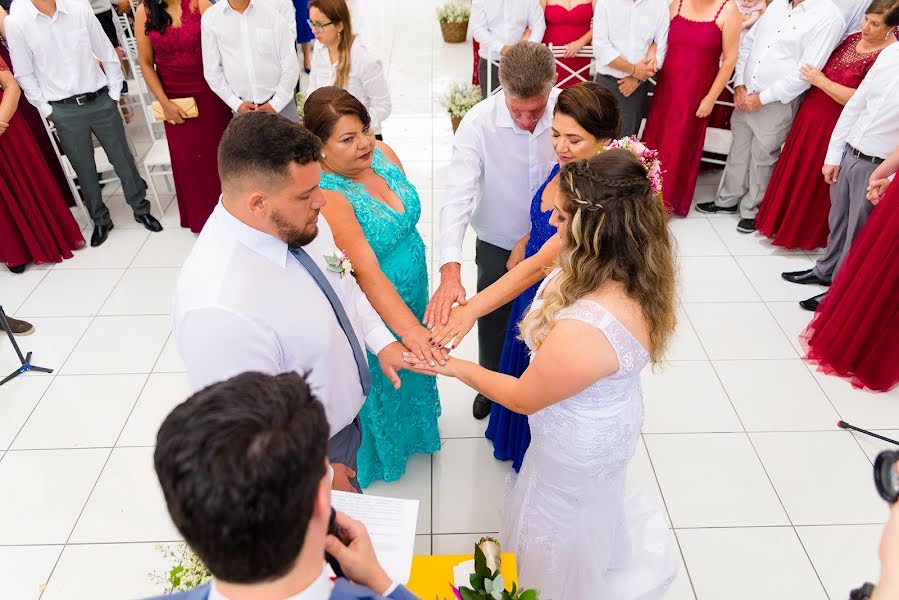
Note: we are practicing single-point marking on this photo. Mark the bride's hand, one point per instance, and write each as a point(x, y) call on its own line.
point(418, 340)
point(460, 322)
point(424, 367)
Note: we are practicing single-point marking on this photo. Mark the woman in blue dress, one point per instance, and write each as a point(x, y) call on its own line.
point(585, 119)
point(373, 211)
point(304, 32)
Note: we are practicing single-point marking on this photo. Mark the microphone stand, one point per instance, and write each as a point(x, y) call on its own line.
point(25, 360)
point(845, 425)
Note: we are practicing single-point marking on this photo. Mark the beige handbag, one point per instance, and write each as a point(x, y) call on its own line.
point(188, 105)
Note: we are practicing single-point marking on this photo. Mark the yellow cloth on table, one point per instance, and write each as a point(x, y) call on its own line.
point(432, 575)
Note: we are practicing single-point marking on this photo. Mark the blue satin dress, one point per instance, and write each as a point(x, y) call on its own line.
point(508, 430)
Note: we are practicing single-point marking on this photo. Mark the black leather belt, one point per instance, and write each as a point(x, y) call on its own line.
point(82, 99)
point(861, 155)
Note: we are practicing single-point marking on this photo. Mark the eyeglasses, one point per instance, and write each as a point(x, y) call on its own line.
point(318, 27)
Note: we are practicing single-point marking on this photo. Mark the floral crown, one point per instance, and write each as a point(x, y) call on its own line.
point(647, 156)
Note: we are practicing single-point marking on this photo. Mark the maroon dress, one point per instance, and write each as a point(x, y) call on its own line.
point(564, 26)
point(855, 332)
point(796, 204)
point(672, 128)
point(475, 46)
point(36, 123)
point(193, 145)
point(35, 222)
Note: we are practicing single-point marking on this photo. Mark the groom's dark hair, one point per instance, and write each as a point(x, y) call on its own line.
point(240, 463)
point(264, 145)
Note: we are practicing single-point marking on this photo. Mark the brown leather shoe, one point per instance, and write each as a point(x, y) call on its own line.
point(18, 327)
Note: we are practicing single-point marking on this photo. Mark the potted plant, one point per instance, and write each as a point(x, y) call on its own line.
point(453, 17)
point(459, 99)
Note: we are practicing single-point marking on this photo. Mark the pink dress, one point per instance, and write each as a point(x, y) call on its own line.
point(193, 145)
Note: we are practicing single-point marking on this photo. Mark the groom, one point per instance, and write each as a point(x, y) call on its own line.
point(257, 294)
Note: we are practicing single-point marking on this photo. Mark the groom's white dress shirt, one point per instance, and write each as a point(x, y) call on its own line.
point(495, 170)
point(244, 303)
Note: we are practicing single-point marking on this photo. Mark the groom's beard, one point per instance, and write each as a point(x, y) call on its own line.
point(293, 235)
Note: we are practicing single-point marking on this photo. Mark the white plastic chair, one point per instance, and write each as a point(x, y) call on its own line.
point(157, 161)
point(585, 73)
point(103, 166)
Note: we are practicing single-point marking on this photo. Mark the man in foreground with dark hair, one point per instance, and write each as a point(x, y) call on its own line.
point(266, 289)
point(243, 469)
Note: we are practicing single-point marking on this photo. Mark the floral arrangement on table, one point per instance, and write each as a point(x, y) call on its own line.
point(487, 581)
point(453, 12)
point(647, 156)
point(187, 572)
point(459, 99)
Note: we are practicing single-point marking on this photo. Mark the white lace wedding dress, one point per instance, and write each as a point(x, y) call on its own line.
point(566, 517)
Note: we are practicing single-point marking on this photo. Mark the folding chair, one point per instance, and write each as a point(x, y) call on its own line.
point(157, 161)
point(568, 75)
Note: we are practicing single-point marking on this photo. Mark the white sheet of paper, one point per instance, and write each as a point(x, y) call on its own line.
point(462, 573)
point(391, 525)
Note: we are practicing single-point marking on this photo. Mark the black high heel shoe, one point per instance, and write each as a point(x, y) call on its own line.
point(16, 269)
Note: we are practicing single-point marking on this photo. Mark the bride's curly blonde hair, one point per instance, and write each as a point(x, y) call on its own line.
point(617, 231)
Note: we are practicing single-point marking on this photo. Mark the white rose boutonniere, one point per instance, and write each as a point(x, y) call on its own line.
point(339, 263)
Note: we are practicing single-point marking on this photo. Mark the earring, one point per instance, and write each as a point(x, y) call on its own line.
point(324, 156)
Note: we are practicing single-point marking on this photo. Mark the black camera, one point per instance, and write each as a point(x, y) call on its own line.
point(886, 479)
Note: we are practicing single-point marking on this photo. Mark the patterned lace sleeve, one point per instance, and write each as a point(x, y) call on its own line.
point(631, 355)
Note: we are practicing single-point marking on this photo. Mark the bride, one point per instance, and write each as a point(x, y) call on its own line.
point(597, 320)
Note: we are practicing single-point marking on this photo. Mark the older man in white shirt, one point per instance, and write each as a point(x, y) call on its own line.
point(257, 292)
point(502, 153)
point(249, 56)
point(769, 87)
point(496, 24)
point(866, 134)
point(57, 47)
point(630, 40)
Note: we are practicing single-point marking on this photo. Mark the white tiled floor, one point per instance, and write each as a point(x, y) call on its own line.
point(766, 497)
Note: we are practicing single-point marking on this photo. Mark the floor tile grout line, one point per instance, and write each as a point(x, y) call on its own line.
point(57, 370)
point(49, 577)
point(94, 487)
point(767, 308)
point(787, 513)
point(668, 513)
point(109, 453)
point(756, 452)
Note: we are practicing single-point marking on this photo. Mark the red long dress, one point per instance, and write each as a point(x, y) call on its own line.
point(672, 128)
point(36, 123)
point(563, 26)
point(475, 80)
point(796, 204)
point(35, 222)
point(193, 145)
point(855, 333)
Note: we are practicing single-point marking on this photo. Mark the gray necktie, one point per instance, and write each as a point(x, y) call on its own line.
point(361, 362)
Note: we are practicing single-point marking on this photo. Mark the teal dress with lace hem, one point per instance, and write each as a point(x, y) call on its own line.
point(395, 423)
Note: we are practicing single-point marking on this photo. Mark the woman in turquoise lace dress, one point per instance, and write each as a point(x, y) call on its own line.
point(373, 211)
